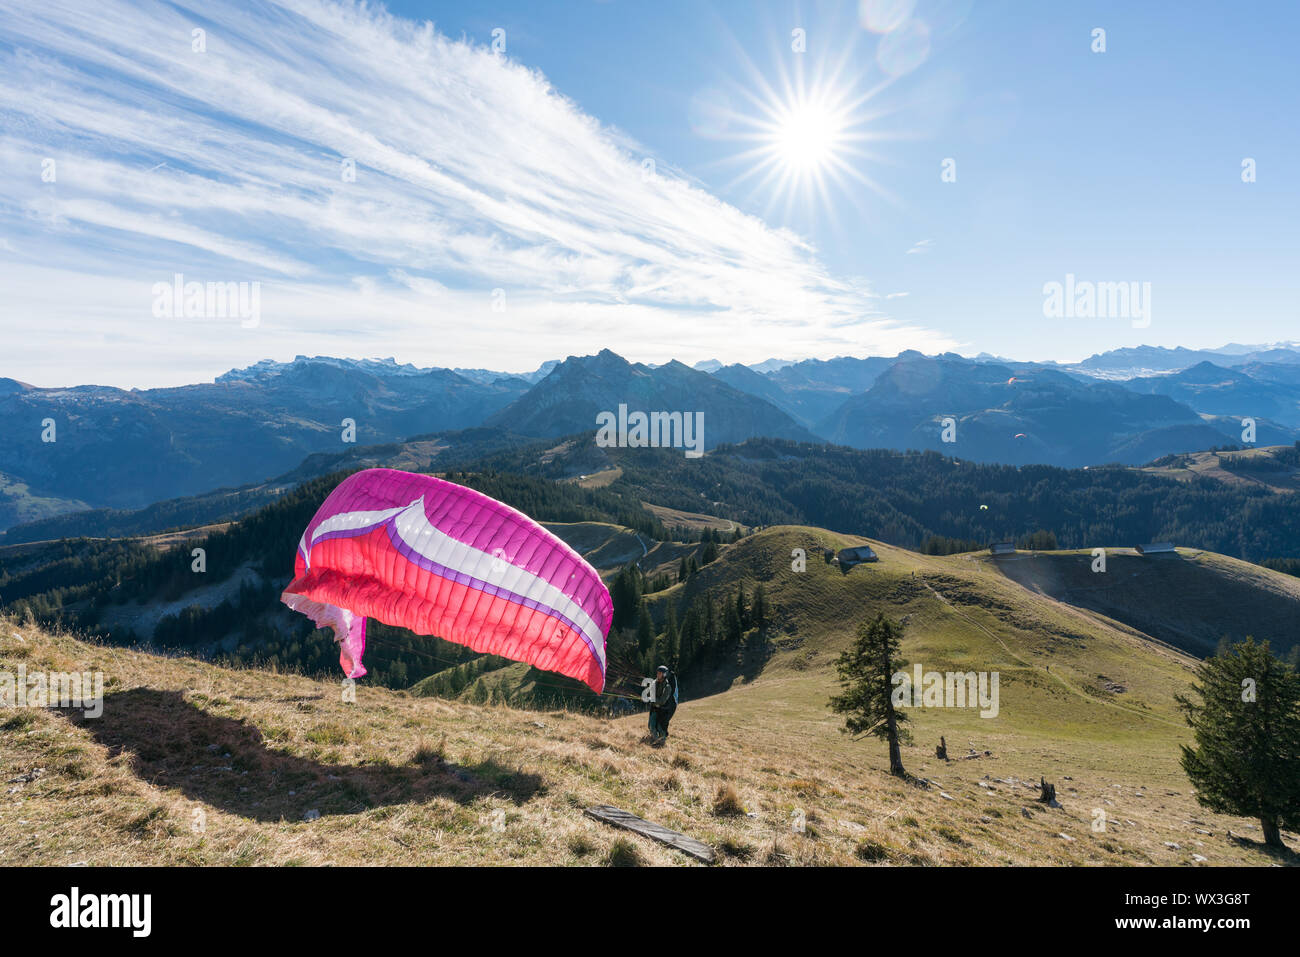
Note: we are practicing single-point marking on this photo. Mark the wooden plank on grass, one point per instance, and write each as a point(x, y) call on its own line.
point(656, 832)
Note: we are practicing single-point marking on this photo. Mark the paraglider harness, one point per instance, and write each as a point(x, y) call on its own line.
point(669, 706)
point(661, 714)
point(672, 677)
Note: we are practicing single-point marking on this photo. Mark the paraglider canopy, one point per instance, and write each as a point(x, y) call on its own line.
point(439, 559)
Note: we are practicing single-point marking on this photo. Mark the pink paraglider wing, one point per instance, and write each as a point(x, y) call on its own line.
point(440, 559)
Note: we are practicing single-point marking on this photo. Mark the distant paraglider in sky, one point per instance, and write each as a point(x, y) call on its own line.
point(436, 558)
point(1021, 435)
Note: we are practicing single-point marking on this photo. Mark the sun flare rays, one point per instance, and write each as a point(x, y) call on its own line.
point(807, 140)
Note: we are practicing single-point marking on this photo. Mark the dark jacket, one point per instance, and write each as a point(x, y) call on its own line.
point(664, 694)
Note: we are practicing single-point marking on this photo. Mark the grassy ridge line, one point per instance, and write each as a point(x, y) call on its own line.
point(1191, 599)
point(816, 611)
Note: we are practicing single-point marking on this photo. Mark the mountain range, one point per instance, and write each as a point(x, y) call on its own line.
point(94, 447)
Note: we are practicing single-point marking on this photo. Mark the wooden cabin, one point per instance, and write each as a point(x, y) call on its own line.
point(857, 555)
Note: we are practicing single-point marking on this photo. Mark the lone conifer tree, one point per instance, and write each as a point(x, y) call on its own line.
point(866, 671)
point(1247, 732)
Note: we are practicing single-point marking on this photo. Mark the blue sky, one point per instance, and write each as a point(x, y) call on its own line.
point(503, 213)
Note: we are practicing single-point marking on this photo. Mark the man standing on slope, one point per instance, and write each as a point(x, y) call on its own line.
point(663, 705)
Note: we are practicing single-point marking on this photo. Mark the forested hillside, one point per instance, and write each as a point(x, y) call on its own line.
point(230, 609)
point(914, 498)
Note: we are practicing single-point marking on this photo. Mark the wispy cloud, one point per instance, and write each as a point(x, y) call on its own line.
point(898, 295)
point(921, 247)
point(490, 222)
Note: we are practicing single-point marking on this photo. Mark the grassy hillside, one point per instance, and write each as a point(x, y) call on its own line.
point(18, 503)
point(1191, 599)
point(1084, 700)
point(959, 613)
point(1271, 467)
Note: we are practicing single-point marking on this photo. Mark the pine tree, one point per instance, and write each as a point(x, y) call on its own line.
point(627, 595)
point(645, 630)
point(1247, 733)
point(682, 570)
point(672, 639)
point(690, 642)
point(732, 628)
point(759, 610)
point(742, 607)
point(866, 671)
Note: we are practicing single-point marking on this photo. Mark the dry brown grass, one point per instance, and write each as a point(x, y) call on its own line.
point(195, 764)
point(727, 802)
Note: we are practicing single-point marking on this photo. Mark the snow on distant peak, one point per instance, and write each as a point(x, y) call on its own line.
point(268, 368)
point(771, 365)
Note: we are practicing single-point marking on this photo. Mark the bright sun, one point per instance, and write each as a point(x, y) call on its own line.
point(806, 143)
point(810, 133)
point(805, 137)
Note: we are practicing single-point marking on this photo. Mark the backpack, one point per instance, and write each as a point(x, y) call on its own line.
point(672, 676)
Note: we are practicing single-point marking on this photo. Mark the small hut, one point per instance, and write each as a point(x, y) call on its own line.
point(1157, 548)
point(848, 557)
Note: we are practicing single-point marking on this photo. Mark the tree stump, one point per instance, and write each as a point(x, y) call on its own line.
point(941, 751)
point(1049, 791)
